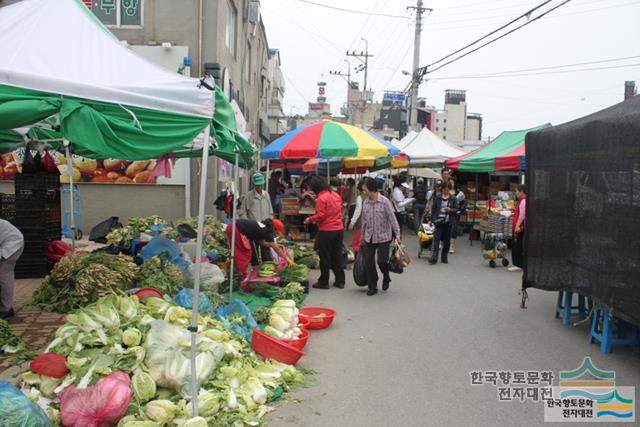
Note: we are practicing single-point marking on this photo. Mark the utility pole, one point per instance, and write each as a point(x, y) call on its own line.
point(347, 77)
point(416, 77)
point(363, 57)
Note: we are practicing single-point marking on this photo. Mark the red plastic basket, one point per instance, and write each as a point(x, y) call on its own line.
point(303, 322)
point(319, 317)
point(299, 342)
point(147, 292)
point(271, 348)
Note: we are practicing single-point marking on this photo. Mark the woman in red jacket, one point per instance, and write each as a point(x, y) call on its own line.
point(328, 217)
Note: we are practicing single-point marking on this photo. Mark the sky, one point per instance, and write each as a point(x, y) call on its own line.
point(313, 40)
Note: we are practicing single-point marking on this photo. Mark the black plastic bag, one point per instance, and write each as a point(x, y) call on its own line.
point(186, 231)
point(31, 164)
point(360, 270)
point(99, 232)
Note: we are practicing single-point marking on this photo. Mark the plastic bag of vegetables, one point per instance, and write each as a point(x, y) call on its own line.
point(103, 403)
point(16, 410)
point(168, 356)
point(237, 318)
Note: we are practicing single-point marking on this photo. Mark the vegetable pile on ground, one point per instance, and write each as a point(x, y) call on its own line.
point(293, 291)
point(79, 279)
point(295, 273)
point(9, 343)
point(311, 261)
point(215, 237)
point(119, 343)
point(124, 236)
point(268, 269)
point(299, 251)
point(283, 320)
point(160, 274)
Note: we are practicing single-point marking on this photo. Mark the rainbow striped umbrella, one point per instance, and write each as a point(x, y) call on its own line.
point(328, 139)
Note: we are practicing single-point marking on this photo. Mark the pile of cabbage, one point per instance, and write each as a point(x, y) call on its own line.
point(283, 320)
point(149, 341)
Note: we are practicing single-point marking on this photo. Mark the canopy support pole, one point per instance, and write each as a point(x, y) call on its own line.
point(196, 280)
point(234, 205)
point(266, 184)
point(72, 222)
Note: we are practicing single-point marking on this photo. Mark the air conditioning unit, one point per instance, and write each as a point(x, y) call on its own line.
point(254, 11)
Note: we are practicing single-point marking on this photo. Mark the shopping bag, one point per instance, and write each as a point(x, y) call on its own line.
point(360, 270)
point(399, 258)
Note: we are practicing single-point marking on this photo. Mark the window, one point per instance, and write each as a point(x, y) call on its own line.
point(445, 120)
point(437, 129)
point(444, 129)
point(437, 120)
point(230, 33)
point(444, 137)
point(118, 13)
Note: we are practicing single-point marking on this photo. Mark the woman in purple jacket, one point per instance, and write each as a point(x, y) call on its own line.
point(379, 228)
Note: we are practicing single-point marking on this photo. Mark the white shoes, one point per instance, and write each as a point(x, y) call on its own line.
point(514, 269)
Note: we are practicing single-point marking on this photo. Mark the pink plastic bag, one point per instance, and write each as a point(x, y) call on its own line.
point(99, 405)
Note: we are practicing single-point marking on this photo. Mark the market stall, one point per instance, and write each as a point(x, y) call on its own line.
point(583, 231)
point(332, 143)
point(110, 103)
point(502, 157)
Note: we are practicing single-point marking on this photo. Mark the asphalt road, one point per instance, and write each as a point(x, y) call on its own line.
point(404, 357)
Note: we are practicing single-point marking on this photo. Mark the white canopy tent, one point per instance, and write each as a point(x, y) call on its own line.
point(427, 148)
point(60, 47)
point(57, 59)
point(410, 136)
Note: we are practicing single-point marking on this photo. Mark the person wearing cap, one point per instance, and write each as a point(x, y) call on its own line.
point(257, 204)
point(399, 200)
point(252, 235)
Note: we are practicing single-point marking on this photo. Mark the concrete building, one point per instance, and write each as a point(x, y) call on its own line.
point(393, 115)
point(225, 38)
point(360, 110)
point(275, 107)
point(453, 123)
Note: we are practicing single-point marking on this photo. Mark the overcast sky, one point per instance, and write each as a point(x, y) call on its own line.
point(313, 40)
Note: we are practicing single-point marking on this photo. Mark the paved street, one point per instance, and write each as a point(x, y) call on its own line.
point(402, 358)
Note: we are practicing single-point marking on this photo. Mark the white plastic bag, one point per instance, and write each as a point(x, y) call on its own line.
point(210, 275)
point(168, 356)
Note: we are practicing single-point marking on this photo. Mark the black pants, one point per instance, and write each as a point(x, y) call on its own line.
point(370, 261)
point(330, 248)
point(442, 234)
point(517, 250)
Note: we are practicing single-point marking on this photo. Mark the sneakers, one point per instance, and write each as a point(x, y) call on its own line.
point(385, 284)
point(445, 261)
point(514, 269)
point(338, 285)
point(7, 314)
point(320, 286)
point(372, 292)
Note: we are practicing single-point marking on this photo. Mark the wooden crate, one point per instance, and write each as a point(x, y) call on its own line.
point(290, 207)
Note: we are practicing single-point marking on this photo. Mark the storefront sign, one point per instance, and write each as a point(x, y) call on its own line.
point(118, 13)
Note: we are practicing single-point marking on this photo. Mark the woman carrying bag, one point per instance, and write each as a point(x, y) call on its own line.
point(379, 228)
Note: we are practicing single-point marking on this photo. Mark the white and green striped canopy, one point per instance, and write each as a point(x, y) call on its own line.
point(56, 58)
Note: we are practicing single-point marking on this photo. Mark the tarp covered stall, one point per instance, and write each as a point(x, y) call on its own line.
point(583, 208)
point(505, 153)
point(427, 148)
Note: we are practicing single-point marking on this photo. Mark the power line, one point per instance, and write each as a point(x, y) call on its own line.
point(538, 74)
point(498, 73)
point(296, 88)
point(359, 12)
point(435, 26)
point(532, 20)
point(490, 34)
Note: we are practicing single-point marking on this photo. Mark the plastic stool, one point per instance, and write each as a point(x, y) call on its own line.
point(565, 307)
point(605, 325)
